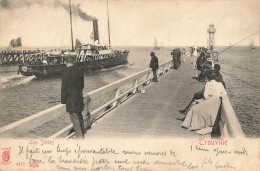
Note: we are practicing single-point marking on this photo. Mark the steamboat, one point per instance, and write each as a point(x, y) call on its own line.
point(88, 57)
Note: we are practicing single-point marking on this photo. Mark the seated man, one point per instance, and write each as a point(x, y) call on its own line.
point(200, 61)
point(206, 66)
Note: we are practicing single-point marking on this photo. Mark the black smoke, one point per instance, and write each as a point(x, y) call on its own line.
point(75, 8)
point(14, 4)
point(5, 4)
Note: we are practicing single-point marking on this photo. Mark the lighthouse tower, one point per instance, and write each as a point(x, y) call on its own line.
point(211, 40)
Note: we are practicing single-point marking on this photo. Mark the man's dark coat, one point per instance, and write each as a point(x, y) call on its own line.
point(154, 63)
point(71, 89)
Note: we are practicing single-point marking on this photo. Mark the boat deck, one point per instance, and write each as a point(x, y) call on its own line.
point(155, 113)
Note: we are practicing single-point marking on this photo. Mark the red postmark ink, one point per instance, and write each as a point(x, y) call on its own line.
point(6, 156)
point(34, 164)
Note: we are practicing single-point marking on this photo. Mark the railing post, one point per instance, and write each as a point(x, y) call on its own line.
point(148, 77)
point(117, 101)
point(163, 72)
point(87, 120)
point(135, 82)
point(169, 66)
point(158, 72)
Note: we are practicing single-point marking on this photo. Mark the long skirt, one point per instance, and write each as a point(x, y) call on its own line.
point(202, 115)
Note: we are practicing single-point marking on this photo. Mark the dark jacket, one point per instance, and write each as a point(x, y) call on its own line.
point(206, 66)
point(71, 89)
point(199, 62)
point(219, 78)
point(179, 54)
point(154, 63)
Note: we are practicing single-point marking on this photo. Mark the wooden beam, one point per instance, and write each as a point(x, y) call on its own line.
point(31, 122)
point(230, 120)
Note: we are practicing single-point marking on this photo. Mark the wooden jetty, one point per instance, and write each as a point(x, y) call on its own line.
point(129, 112)
point(154, 113)
point(20, 56)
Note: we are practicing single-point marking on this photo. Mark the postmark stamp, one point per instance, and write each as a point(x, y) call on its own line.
point(6, 156)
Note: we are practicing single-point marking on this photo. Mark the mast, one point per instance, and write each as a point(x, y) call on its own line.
point(72, 47)
point(155, 42)
point(108, 24)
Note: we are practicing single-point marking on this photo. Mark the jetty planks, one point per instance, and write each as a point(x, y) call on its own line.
point(154, 113)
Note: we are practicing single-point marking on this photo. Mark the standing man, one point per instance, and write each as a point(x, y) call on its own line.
point(191, 50)
point(154, 66)
point(199, 63)
point(175, 59)
point(71, 95)
point(179, 56)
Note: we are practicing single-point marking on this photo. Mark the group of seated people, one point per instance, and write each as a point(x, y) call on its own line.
point(202, 111)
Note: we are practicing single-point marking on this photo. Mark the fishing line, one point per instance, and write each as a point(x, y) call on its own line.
point(255, 86)
point(238, 67)
point(237, 43)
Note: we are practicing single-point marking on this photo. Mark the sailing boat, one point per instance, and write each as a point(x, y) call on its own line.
point(156, 47)
point(251, 44)
point(88, 57)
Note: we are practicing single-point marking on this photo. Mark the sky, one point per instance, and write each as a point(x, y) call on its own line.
point(42, 23)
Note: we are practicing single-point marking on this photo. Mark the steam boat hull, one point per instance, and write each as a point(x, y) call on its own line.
point(88, 66)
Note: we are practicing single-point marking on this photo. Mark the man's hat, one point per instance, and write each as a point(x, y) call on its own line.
point(202, 54)
point(217, 67)
point(152, 54)
point(69, 59)
point(211, 74)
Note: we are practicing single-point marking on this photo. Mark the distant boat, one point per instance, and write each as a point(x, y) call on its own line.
point(251, 44)
point(156, 47)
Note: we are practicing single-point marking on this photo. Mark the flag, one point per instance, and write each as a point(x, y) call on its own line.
point(11, 43)
point(78, 44)
point(16, 42)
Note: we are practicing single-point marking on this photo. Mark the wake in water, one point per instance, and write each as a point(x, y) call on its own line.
point(4, 79)
point(14, 80)
point(130, 63)
point(111, 68)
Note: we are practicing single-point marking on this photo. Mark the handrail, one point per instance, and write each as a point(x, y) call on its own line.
point(93, 95)
point(229, 125)
point(24, 125)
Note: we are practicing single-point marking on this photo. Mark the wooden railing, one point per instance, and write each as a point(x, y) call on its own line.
point(122, 90)
point(229, 125)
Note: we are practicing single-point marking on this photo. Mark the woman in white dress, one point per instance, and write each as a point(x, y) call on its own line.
point(204, 113)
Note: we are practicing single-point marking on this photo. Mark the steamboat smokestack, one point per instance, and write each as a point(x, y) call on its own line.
point(95, 29)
